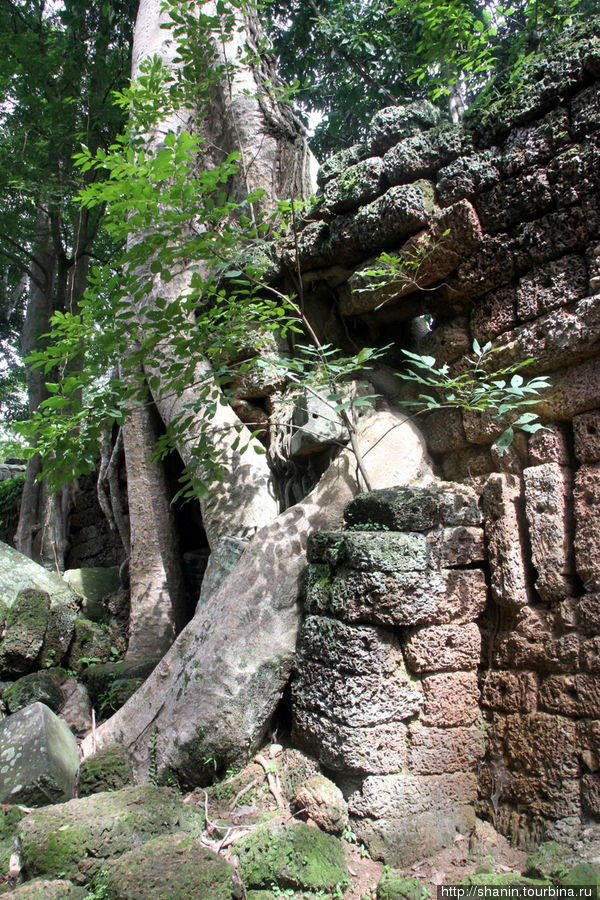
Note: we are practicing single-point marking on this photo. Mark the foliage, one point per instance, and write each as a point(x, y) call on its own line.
point(502, 393)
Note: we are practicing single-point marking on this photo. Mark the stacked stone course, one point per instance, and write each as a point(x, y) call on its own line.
point(503, 214)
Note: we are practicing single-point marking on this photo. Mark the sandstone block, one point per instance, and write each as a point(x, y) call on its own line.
point(542, 745)
point(19, 573)
point(510, 691)
point(415, 508)
point(402, 598)
point(548, 488)
point(459, 546)
point(450, 699)
point(502, 506)
point(38, 758)
point(316, 425)
point(354, 675)
point(404, 817)
point(571, 695)
point(549, 445)
point(37, 687)
point(439, 648)
point(587, 525)
point(586, 431)
point(376, 750)
point(433, 751)
point(588, 613)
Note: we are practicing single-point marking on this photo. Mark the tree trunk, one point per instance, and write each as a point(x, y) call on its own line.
point(209, 701)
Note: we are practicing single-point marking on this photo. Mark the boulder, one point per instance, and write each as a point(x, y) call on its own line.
point(36, 687)
point(75, 839)
point(76, 710)
point(19, 573)
point(324, 803)
point(92, 643)
point(170, 867)
point(38, 632)
point(39, 758)
point(109, 770)
point(42, 889)
point(93, 582)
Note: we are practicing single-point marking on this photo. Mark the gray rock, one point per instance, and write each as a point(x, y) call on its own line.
point(76, 710)
point(415, 508)
point(93, 582)
point(323, 801)
point(36, 687)
point(39, 758)
point(19, 573)
point(394, 123)
point(37, 632)
point(91, 643)
point(316, 426)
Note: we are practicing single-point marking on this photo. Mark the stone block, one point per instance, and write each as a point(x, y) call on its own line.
point(316, 426)
point(401, 818)
point(403, 598)
point(590, 654)
point(466, 177)
point(450, 699)
point(585, 113)
point(470, 464)
point(494, 314)
point(39, 758)
point(415, 508)
point(548, 489)
point(421, 154)
point(394, 123)
point(93, 582)
point(549, 445)
point(439, 648)
point(543, 799)
point(571, 695)
point(587, 525)
point(90, 642)
point(354, 675)
point(590, 794)
point(459, 546)
point(555, 234)
point(547, 287)
point(376, 750)
point(510, 691)
point(534, 144)
point(502, 504)
point(531, 643)
point(323, 801)
point(37, 687)
point(432, 751)
point(369, 551)
point(37, 631)
point(573, 390)
point(335, 164)
point(516, 200)
point(542, 745)
point(392, 218)
point(19, 573)
point(357, 184)
point(586, 432)
point(588, 614)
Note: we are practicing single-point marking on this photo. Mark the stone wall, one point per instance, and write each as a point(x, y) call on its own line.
point(502, 216)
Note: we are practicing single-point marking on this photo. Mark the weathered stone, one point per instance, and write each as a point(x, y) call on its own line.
point(586, 432)
point(549, 445)
point(588, 613)
point(394, 886)
point(531, 643)
point(553, 285)
point(354, 186)
point(60, 628)
point(433, 751)
point(587, 525)
point(439, 648)
point(444, 431)
point(76, 838)
point(109, 770)
point(502, 505)
point(585, 113)
point(493, 314)
point(173, 867)
point(548, 489)
point(295, 768)
point(91, 643)
point(542, 799)
point(76, 710)
point(554, 234)
point(402, 598)
point(334, 165)
point(354, 675)
point(39, 758)
point(459, 546)
point(57, 889)
point(590, 654)
point(421, 154)
point(374, 750)
point(514, 201)
point(323, 801)
point(292, 856)
point(394, 123)
point(542, 745)
point(396, 215)
point(571, 695)
point(401, 818)
point(447, 341)
point(33, 688)
point(510, 691)
point(316, 425)
point(590, 794)
point(415, 508)
point(367, 551)
point(19, 573)
point(24, 633)
point(93, 582)
point(531, 145)
point(466, 177)
point(450, 699)
point(572, 391)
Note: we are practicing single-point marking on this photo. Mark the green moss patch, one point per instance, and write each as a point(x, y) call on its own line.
point(109, 770)
point(394, 886)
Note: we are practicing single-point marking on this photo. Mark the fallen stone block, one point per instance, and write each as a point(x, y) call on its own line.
point(39, 758)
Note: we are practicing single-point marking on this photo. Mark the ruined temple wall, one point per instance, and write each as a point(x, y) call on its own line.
point(502, 216)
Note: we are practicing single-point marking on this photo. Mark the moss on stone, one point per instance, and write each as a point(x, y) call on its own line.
point(583, 873)
point(38, 686)
point(292, 856)
point(171, 867)
point(394, 886)
point(75, 838)
point(41, 889)
point(109, 770)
